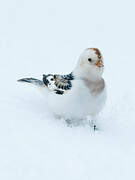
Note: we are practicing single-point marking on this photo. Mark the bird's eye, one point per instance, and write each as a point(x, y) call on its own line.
point(89, 59)
point(51, 79)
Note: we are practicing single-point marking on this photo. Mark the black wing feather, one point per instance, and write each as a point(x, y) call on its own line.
point(62, 82)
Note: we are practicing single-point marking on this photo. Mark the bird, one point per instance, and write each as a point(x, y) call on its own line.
point(79, 94)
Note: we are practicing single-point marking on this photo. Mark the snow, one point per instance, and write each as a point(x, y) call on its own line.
point(39, 37)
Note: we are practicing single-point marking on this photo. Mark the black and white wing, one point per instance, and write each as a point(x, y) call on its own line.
point(58, 83)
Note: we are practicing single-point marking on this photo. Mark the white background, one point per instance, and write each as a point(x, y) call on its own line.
point(47, 36)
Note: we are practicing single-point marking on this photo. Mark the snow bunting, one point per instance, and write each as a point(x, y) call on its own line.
point(79, 94)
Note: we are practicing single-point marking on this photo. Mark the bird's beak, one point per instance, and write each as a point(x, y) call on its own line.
point(99, 63)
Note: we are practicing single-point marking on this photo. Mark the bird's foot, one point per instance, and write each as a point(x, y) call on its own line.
point(95, 128)
point(92, 125)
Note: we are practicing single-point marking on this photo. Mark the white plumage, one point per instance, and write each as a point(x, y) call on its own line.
point(82, 95)
point(77, 103)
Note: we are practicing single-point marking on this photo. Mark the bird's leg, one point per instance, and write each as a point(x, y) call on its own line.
point(95, 127)
point(92, 123)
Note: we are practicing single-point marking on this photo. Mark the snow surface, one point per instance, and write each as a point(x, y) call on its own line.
point(39, 37)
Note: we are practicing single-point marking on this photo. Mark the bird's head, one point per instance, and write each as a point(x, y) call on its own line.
point(90, 64)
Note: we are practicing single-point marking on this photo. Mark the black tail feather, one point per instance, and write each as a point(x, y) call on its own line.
point(34, 81)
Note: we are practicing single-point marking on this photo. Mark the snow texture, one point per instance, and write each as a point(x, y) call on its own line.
point(39, 37)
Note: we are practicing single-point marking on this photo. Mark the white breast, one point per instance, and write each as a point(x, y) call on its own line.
point(77, 102)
